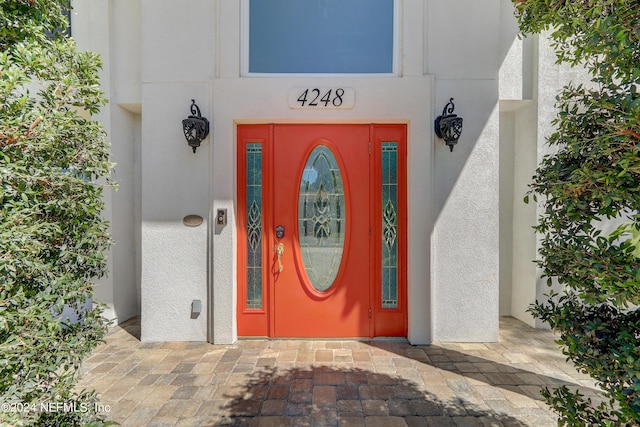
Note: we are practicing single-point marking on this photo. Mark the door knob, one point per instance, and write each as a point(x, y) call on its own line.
point(279, 252)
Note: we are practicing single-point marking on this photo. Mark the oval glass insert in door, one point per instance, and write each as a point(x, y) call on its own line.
point(321, 218)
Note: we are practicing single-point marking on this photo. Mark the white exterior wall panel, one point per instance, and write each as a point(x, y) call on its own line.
point(160, 54)
point(175, 183)
point(465, 244)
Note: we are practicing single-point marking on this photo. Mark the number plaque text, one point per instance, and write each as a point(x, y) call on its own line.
point(322, 98)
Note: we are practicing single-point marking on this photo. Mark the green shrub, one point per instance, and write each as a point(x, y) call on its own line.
point(593, 176)
point(53, 168)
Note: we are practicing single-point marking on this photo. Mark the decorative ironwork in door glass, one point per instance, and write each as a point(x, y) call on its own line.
point(254, 225)
point(389, 225)
point(321, 218)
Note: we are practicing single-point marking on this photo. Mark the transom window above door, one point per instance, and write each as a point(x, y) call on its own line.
point(319, 37)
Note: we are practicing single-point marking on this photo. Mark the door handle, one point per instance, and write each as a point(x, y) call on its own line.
point(279, 252)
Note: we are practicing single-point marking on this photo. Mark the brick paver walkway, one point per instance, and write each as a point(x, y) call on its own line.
point(330, 383)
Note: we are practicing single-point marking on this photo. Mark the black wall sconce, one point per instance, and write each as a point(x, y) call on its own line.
point(195, 127)
point(448, 125)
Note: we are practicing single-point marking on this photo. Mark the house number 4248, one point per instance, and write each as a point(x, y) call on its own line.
point(322, 98)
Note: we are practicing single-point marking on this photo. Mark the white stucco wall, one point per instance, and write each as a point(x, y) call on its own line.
point(160, 54)
point(465, 238)
point(126, 70)
point(125, 139)
point(525, 274)
point(518, 151)
point(506, 203)
point(528, 104)
point(173, 278)
point(465, 243)
point(175, 183)
point(109, 28)
point(176, 66)
point(550, 79)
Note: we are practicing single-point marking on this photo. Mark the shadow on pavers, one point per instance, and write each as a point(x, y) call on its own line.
point(492, 373)
point(350, 397)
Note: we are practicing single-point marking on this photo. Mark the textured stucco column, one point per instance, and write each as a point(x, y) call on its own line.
point(465, 237)
point(466, 230)
point(175, 183)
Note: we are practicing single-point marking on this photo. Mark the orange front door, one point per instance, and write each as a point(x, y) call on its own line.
point(321, 199)
point(312, 229)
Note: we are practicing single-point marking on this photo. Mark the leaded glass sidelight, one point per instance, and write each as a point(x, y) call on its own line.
point(254, 225)
point(389, 225)
point(321, 218)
